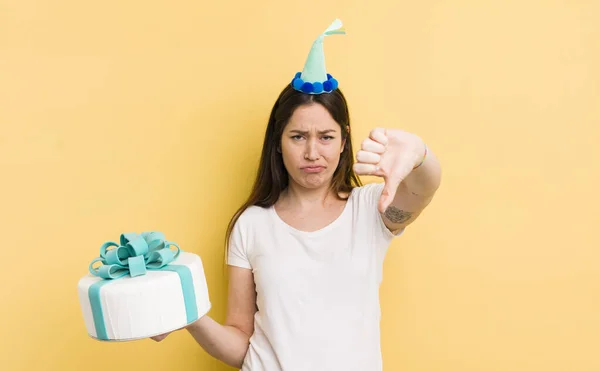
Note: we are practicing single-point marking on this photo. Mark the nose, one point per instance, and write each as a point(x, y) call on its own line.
point(312, 150)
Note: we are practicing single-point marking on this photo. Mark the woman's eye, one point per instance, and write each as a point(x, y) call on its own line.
point(297, 137)
point(328, 137)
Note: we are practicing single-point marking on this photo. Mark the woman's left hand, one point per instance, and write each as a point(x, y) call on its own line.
point(391, 154)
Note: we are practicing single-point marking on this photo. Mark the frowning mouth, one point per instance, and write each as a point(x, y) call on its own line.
point(313, 169)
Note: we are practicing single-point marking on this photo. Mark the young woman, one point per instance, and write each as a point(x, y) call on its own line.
point(306, 250)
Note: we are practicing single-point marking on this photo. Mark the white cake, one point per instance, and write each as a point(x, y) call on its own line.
point(130, 308)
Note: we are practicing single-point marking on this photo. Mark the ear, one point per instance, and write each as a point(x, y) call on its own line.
point(345, 139)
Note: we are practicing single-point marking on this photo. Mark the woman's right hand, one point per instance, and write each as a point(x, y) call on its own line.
point(158, 338)
point(161, 337)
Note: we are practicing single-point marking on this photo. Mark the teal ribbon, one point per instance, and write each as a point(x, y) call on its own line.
point(134, 256)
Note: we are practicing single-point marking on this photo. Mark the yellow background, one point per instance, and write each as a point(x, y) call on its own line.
point(136, 115)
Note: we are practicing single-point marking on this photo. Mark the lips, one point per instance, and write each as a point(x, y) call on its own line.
point(313, 169)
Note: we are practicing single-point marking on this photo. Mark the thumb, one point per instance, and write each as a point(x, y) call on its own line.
point(159, 338)
point(392, 182)
point(388, 194)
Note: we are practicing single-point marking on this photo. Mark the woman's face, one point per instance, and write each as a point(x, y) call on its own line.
point(311, 144)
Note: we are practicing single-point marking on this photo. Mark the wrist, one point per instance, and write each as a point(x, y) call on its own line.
point(196, 324)
point(423, 158)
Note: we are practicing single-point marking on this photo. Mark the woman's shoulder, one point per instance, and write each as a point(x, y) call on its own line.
point(253, 215)
point(367, 196)
point(369, 189)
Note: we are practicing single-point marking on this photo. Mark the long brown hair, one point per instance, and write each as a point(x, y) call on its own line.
point(272, 177)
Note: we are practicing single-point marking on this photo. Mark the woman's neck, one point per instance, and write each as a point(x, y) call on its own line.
point(304, 198)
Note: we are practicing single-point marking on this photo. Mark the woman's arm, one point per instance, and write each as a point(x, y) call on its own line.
point(229, 342)
point(414, 193)
point(411, 171)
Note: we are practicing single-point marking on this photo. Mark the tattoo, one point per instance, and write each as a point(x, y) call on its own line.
point(396, 215)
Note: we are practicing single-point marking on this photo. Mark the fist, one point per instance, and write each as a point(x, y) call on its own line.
point(391, 154)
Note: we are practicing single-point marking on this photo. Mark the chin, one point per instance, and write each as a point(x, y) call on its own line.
point(312, 181)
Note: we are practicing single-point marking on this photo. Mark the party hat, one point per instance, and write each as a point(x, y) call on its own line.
point(314, 78)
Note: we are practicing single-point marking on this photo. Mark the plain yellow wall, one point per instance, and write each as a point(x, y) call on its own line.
point(136, 115)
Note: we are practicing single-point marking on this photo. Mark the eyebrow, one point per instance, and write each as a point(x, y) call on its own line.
point(320, 132)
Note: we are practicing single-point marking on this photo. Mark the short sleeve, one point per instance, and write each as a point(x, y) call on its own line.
point(237, 254)
point(368, 196)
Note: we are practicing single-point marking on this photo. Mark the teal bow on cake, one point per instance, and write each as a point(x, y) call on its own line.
point(135, 254)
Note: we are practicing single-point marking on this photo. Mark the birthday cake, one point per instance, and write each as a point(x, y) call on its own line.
point(142, 287)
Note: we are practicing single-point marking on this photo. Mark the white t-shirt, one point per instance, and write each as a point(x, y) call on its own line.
point(317, 292)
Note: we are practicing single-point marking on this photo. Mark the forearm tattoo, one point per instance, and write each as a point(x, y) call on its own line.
point(396, 215)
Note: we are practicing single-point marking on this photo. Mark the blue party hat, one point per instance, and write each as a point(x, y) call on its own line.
point(314, 78)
